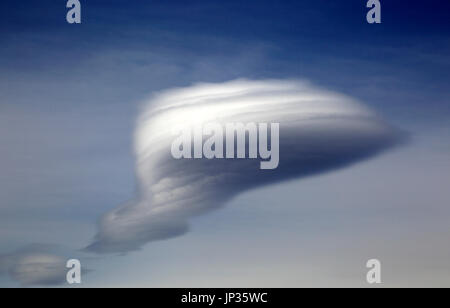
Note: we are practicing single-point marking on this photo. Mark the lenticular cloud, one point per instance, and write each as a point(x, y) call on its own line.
point(319, 131)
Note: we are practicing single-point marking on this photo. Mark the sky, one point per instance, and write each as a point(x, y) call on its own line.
point(71, 96)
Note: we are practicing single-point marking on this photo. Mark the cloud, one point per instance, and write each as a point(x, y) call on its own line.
point(34, 265)
point(319, 131)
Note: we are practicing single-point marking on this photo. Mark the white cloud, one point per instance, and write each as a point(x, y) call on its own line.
point(319, 131)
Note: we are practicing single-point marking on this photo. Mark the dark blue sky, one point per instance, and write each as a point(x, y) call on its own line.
point(328, 42)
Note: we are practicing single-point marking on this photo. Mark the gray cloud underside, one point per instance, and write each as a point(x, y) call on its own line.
point(319, 131)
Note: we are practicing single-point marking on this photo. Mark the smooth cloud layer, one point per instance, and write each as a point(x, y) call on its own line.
point(319, 131)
